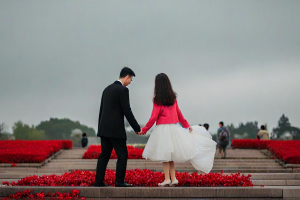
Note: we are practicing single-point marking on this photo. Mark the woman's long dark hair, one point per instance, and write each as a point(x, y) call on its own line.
point(163, 91)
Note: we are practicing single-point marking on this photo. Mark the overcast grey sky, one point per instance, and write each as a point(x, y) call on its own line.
point(234, 61)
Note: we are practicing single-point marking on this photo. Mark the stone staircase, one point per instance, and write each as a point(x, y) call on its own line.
point(279, 182)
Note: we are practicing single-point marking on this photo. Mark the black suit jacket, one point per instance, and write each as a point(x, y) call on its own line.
point(114, 106)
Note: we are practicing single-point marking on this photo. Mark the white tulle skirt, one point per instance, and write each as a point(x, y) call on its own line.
point(171, 142)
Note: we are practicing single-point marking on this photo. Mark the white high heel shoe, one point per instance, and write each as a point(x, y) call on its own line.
point(174, 183)
point(165, 183)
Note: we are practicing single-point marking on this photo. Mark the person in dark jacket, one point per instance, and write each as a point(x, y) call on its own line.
point(84, 140)
point(114, 106)
point(223, 137)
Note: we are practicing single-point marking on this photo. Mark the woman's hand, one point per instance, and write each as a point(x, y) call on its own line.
point(190, 129)
point(140, 133)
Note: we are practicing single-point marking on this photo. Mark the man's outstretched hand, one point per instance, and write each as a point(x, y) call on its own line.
point(140, 133)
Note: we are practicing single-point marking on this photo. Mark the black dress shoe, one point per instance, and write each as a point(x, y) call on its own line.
point(102, 185)
point(123, 185)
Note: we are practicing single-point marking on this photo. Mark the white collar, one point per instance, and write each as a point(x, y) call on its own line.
point(120, 82)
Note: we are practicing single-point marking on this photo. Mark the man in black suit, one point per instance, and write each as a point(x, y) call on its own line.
point(114, 106)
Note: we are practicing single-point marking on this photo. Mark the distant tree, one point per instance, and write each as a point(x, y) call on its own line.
point(62, 128)
point(3, 131)
point(25, 132)
point(232, 130)
point(132, 137)
point(284, 125)
point(247, 130)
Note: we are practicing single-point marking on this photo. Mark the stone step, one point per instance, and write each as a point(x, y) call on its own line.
point(143, 160)
point(168, 192)
point(155, 162)
point(8, 165)
point(293, 179)
point(213, 170)
point(276, 182)
point(274, 176)
point(158, 168)
point(160, 165)
point(255, 182)
point(9, 180)
point(217, 158)
point(145, 166)
point(177, 163)
point(149, 161)
point(64, 157)
point(23, 175)
point(191, 199)
point(33, 170)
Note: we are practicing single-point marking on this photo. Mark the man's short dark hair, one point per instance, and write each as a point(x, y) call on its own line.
point(126, 71)
point(262, 127)
point(221, 123)
point(206, 126)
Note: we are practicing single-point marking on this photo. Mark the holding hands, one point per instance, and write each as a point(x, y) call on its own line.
point(140, 133)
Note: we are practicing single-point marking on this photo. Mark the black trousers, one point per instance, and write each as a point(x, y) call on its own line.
point(107, 145)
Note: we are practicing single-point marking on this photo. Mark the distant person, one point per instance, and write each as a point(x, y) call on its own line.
point(84, 140)
point(263, 133)
point(223, 137)
point(206, 126)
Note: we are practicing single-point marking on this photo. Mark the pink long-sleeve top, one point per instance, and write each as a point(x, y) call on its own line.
point(165, 115)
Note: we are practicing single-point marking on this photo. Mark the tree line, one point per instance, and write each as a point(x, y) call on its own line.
point(55, 128)
point(62, 129)
point(250, 129)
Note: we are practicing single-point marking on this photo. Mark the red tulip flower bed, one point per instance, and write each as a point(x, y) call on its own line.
point(27, 151)
point(288, 151)
point(58, 195)
point(94, 151)
point(66, 144)
point(250, 144)
point(137, 177)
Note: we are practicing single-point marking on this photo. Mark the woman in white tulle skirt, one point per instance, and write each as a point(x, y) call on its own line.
point(169, 142)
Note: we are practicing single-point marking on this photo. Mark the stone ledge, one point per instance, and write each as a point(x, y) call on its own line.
point(291, 193)
point(269, 182)
point(168, 192)
point(22, 164)
point(19, 176)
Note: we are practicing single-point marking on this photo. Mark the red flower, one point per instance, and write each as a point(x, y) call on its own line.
point(94, 151)
point(5, 183)
point(287, 151)
point(137, 177)
point(23, 151)
point(27, 195)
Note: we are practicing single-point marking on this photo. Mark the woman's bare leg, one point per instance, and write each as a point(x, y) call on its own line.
point(172, 170)
point(166, 167)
